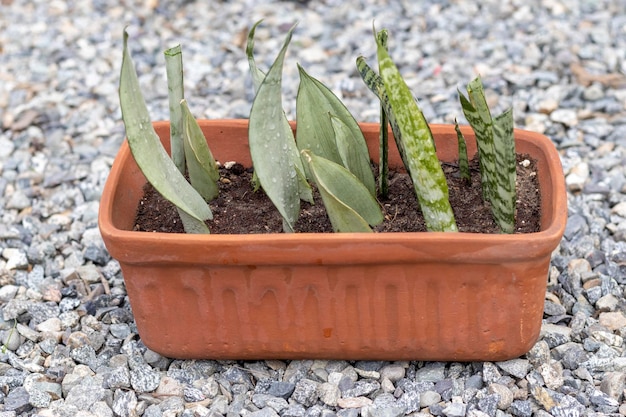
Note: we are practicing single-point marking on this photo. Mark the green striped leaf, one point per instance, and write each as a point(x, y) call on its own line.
point(424, 167)
point(477, 113)
point(375, 83)
point(270, 144)
point(463, 161)
point(350, 207)
point(203, 170)
point(506, 162)
point(147, 150)
point(175, 93)
point(496, 151)
point(383, 147)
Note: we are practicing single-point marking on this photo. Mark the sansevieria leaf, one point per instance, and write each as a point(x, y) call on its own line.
point(424, 167)
point(496, 151)
point(383, 142)
point(257, 74)
point(203, 170)
point(462, 146)
point(375, 83)
point(504, 146)
point(175, 93)
point(270, 144)
point(147, 150)
point(478, 115)
point(304, 189)
point(352, 156)
point(315, 131)
point(350, 207)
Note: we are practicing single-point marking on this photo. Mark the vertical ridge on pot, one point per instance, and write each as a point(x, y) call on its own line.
point(362, 312)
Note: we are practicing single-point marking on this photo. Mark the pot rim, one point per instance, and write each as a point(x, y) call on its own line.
point(527, 245)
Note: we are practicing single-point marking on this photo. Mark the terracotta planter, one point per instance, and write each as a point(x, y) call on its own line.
point(427, 296)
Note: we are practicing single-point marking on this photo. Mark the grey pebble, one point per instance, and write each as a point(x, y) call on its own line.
point(521, 408)
point(305, 392)
point(144, 379)
point(454, 410)
point(515, 367)
point(386, 412)
point(329, 393)
point(124, 403)
point(410, 401)
point(488, 404)
point(393, 372)
point(264, 412)
point(294, 410)
point(118, 377)
point(281, 389)
point(85, 392)
point(18, 401)
point(431, 372)
point(603, 403)
point(361, 388)
point(429, 398)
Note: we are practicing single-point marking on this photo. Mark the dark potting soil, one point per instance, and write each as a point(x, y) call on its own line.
point(241, 210)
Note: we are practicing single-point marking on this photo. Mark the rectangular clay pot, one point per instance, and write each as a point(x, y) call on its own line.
point(392, 296)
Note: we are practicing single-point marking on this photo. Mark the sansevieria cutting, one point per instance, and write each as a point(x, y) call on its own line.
point(415, 143)
point(327, 149)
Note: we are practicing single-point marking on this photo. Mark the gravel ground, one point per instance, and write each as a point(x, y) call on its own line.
point(70, 344)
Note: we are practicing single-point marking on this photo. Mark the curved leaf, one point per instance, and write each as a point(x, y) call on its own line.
point(350, 206)
point(304, 189)
point(147, 149)
point(257, 74)
point(356, 162)
point(314, 130)
point(203, 170)
point(270, 144)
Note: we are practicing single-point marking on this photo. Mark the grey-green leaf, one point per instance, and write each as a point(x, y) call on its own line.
point(203, 170)
point(270, 144)
point(257, 74)
point(314, 130)
point(304, 189)
point(424, 167)
point(191, 224)
point(147, 149)
point(175, 93)
point(350, 206)
point(353, 159)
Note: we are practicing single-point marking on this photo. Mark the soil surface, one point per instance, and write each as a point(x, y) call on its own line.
point(241, 210)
